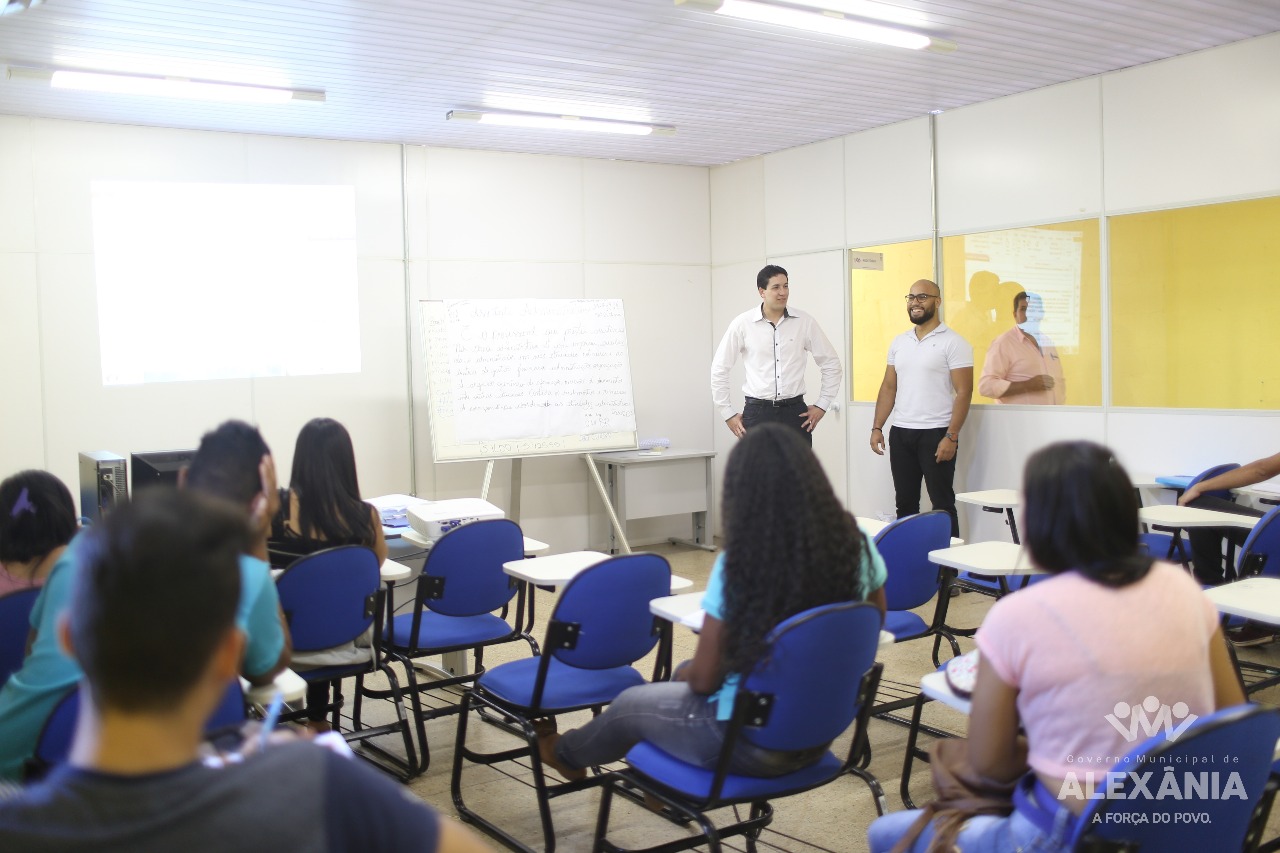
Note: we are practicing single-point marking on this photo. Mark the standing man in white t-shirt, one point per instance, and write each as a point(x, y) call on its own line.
point(928, 383)
point(772, 340)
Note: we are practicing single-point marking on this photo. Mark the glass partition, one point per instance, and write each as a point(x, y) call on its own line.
point(1029, 302)
point(879, 277)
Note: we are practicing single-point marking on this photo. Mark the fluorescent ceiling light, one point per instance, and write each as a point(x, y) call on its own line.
point(559, 122)
point(168, 87)
point(807, 15)
point(13, 7)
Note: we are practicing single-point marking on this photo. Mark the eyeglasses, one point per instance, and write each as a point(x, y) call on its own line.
point(919, 297)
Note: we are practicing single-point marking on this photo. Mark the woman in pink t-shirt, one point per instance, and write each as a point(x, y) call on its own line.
point(37, 520)
point(1078, 660)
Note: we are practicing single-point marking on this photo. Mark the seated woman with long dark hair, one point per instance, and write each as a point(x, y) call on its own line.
point(788, 546)
point(37, 520)
point(1112, 628)
point(322, 509)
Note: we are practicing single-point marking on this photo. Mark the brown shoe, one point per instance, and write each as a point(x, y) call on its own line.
point(547, 752)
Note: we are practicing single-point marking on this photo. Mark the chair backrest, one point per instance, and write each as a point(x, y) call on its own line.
point(905, 545)
point(804, 692)
point(1209, 473)
point(15, 625)
point(1199, 791)
point(330, 597)
point(54, 743)
point(463, 574)
point(230, 712)
point(53, 746)
point(1260, 553)
point(602, 619)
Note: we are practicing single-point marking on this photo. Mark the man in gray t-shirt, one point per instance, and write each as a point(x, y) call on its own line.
point(152, 623)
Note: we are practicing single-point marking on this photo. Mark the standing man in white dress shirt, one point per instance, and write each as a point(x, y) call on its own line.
point(927, 384)
point(772, 340)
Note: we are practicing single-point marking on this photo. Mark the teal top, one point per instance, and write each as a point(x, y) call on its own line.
point(47, 674)
point(713, 605)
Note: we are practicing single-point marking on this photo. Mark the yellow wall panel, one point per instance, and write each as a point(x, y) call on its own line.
point(1195, 293)
point(879, 313)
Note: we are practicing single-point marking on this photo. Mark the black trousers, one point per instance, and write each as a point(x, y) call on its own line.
point(1207, 543)
point(911, 457)
point(764, 412)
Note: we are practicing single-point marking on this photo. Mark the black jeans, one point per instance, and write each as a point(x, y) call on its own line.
point(764, 412)
point(1207, 542)
point(911, 457)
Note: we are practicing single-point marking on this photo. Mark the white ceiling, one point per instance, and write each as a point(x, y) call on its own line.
point(392, 68)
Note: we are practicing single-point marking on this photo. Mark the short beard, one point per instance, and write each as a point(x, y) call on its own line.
point(924, 318)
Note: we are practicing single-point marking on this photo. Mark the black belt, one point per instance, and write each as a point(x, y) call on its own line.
point(776, 403)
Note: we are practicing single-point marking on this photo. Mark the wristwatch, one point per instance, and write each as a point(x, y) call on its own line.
point(953, 437)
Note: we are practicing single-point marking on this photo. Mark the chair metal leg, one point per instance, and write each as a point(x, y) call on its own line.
point(913, 734)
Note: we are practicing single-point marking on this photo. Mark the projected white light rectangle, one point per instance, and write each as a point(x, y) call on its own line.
point(225, 281)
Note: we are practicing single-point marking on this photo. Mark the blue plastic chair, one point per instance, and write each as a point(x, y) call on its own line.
point(1260, 554)
point(913, 580)
point(15, 625)
point(331, 598)
point(1246, 734)
point(461, 586)
point(53, 745)
point(816, 680)
point(600, 627)
point(1167, 544)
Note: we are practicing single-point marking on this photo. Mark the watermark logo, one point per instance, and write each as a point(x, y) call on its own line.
point(1150, 717)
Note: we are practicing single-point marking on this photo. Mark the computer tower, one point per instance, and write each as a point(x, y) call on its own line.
point(103, 483)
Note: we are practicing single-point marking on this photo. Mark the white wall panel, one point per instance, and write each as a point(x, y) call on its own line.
point(503, 207)
point(17, 186)
point(81, 414)
point(70, 155)
point(374, 171)
point(732, 292)
point(804, 198)
point(643, 213)
point(737, 211)
point(1033, 157)
point(670, 355)
point(1157, 443)
point(1202, 126)
point(20, 364)
point(371, 404)
point(887, 195)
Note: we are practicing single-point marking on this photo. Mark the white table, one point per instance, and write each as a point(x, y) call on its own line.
point(558, 569)
point(1186, 517)
point(640, 484)
point(996, 500)
point(291, 686)
point(1000, 559)
point(686, 610)
point(1251, 598)
point(1263, 493)
point(390, 572)
point(873, 526)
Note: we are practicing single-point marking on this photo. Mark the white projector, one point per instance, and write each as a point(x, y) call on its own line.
point(433, 519)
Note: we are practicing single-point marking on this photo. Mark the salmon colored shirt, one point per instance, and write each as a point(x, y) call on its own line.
point(1015, 356)
point(1085, 658)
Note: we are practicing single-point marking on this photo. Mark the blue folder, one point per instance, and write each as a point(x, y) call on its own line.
point(1179, 481)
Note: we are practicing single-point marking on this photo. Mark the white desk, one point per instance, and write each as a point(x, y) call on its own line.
point(390, 572)
point(1186, 517)
point(996, 500)
point(291, 686)
point(644, 485)
point(1263, 493)
point(1000, 559)
point(935, 686)
point(686, 610)
point(1251, 598)
point(558, 569)
point(873, 526)
point(531, 545)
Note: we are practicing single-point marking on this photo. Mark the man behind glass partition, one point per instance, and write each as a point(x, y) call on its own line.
point(1022, 365)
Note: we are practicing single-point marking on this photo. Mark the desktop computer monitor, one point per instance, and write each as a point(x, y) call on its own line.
point(156, 467)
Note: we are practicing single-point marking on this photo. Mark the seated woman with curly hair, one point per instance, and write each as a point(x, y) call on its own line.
point(788, 546)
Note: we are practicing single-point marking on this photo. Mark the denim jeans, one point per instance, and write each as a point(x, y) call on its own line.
point(911, 457)
point(983, 834)
point(678, 721)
